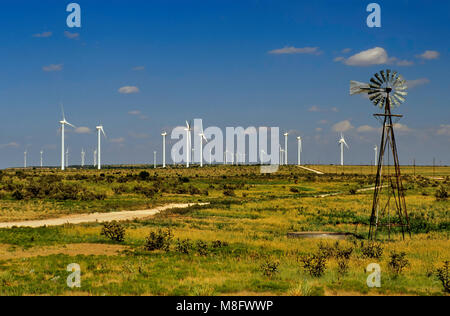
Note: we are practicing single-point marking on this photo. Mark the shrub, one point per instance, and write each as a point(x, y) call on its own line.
point(294, 190)
point(202, 248)
point(442, 274)
point(18, 195)
point(159, 240)
point(219, 244)
point(398, 262)
point(314, 264)
point(441, 194)
point(373, 250)
point(144, 176)
point(229, 192)
point(183, 246)
point(270, 268)
point(342, 266)
point(113, 231)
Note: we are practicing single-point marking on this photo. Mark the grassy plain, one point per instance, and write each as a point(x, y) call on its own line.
point(249, 213)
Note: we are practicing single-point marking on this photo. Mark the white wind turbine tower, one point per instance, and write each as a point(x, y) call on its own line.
point(63, 124)
point(342, 142)
point(376, 155)
point(25, 153)
point(286, 148)
point(42, 158)
point(188, 143)
point(99, 149)
point(202, 138)
point(164, 134)
point(83, 157)
point(300, 150)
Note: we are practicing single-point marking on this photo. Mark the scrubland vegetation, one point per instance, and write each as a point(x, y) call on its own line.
point(236, 245)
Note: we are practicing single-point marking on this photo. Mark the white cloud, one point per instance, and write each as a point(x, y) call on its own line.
point(71, 35)
point(346, 50)
point(135, 112)
point(367, 129)
point(83, 130)
point(43, 35)
point(418, 82)
point(119, 140)
point(373, 56)
point(9, 145)
point(129, 90)
point(139, 68)
point(53, 67)
point(294, 50)
point(402, 128)
point(444, 130)
point(138, 135)
point(314, 108)
point(404, 63)
point(323, 122)
point(342, 126)
point(429, 55)
point(334, 109)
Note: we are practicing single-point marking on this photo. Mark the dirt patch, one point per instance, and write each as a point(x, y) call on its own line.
point(8, 252)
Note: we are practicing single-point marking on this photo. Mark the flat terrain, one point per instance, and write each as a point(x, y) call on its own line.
point(235, 245)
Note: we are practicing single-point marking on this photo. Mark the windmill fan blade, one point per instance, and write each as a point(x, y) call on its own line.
point(379, 78)
point(401, 93)
point(375, 83)
point(393, 100)
point(383, 75)
point(401, 99)
point(388, 75)
point(382, 102)
point(394, 76)
point(375, 96)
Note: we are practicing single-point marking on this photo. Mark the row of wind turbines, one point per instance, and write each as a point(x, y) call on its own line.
point(283, 152)
point(65, 155)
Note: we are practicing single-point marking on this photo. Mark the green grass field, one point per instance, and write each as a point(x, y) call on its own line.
point(236, 245)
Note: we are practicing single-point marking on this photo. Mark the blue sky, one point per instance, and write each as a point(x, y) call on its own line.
point(231, 63)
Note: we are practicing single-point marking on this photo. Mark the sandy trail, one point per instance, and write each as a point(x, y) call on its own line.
point(97, 217)
point(342, 193)
point(312, 170)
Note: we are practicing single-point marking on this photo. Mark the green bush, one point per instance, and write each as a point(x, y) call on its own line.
point(398, 262)
point(442, 274)
point(159, 240)
point(314, 264)
point(113, 231)
point(269, 268)
point(202, 248)
point(441, 194)
point(373, 250)
point(229, 192)
point(183, 246)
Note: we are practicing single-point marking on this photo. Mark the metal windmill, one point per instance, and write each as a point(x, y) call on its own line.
point(387, 90)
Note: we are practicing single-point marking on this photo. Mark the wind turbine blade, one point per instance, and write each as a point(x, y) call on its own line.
point(70, 124)
point(103, 132)
point(62, 110)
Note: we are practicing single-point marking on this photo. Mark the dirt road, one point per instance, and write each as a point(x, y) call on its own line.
point(97, 217)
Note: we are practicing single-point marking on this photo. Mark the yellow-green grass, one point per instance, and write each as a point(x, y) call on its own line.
point(254, 221)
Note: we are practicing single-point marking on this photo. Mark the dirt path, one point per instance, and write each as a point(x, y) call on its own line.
point(97, 217)
point(341, 193)
point(312, 170)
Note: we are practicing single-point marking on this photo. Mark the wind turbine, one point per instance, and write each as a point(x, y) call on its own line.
point(25, 153)
point(164, 134)
point(83, 157)
point(188, 143)
point(202, 138)
point(63, 124)
point(376, 155)
point(300, 150)
point(42, 159)
point(342, 142)
point(286, 148)
point(95, 158)
point(99, 153)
